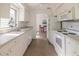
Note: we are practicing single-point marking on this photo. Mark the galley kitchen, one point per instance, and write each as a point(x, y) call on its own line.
point(39, 29)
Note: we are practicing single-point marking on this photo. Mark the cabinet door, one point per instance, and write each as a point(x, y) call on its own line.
point(6, 49)
point(68, 47)
point(76, 11)
point(64, 16)
point(72, 47)
point(71, 13)
point(21, 45)
point(66, 12)
point(17, 46)
point(12, 48)
point(75, 48)
point(52, 37)
point(68, 15)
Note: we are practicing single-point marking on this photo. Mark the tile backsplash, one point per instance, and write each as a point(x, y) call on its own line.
point(71, 25)
point(23, 24)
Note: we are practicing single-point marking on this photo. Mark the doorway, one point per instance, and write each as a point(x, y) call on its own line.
point(42, 26)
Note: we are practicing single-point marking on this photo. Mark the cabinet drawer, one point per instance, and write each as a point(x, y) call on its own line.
point(72, 47)
point(6, 50)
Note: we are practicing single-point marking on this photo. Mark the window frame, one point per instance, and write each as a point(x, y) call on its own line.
point(15, 16)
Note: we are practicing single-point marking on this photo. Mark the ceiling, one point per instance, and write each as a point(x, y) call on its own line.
point(43, 6)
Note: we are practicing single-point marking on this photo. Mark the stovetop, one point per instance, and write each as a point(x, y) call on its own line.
point(66, 32)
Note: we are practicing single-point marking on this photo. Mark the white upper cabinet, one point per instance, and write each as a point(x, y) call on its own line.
point(68, 11)
point(68, 14)
point(76, 5)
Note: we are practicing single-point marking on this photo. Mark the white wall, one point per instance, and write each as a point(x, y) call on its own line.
point(4, 10)
point(4, 15)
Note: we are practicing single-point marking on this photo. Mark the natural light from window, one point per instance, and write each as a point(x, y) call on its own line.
point(9, 22)
point(4, 22)
point(12, 22)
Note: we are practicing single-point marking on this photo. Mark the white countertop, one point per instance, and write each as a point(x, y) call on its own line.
point(74, 37)
point(6, 37)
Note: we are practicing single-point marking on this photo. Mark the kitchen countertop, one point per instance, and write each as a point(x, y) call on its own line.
point(74, 37)
point(7, 37)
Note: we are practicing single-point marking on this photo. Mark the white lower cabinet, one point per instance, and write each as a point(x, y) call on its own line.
point(17, 46)
point(72, 47)
point(52, 38)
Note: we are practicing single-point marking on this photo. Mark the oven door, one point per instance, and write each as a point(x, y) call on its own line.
point(60, 44)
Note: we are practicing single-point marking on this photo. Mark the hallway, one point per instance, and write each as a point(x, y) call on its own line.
point(40, 47)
